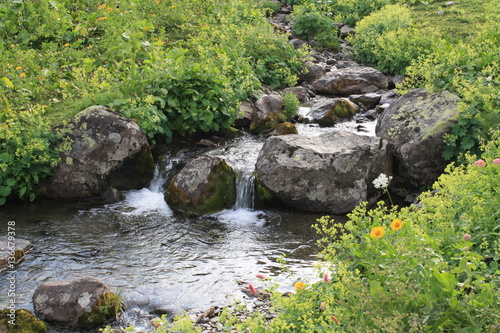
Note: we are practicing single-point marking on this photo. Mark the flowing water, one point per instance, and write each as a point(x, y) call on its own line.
point(159, 261)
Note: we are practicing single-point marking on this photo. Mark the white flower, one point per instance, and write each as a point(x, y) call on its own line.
point(382, 181)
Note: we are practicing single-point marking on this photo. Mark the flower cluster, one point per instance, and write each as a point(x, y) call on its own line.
point(379, 232)
point(482, 163)
point(382, 181)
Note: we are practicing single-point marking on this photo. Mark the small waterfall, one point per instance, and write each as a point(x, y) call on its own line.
point(158, 181)
point(244, 192)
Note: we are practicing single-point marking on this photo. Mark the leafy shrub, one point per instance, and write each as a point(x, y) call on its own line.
point(290, 105)
point(270, 8)
point(311, 23)
point(388, 39)
point(27, 152)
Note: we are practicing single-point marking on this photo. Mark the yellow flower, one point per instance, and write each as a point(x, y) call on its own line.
point(18, 67)
point(299, 285)
point(12, 45)
point(110, 9)
point(396, 224)
point(101, 6)
point(145, 28)
point(102, 18)
point(377, 232)
point(67, 44)
point(22, 75)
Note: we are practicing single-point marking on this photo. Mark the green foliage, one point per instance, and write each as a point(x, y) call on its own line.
point(388, 39)
point(27, 152)
point(290, 105)
point(270, 8)
point(311, 23)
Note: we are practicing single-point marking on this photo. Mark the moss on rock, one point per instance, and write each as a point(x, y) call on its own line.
point(107, 308)
point(21, 321)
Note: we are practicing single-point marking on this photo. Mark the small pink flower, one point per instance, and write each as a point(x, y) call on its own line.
point(261, 276)
point(252, 289)
point(467, 237)
point(326, 278)
point(480, 163)
point(322, 306)
point(496, 161)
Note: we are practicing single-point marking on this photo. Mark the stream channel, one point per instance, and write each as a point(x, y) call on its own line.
point(159, 261)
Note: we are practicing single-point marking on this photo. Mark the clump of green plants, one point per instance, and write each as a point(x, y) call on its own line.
point(270, 8)
point(290, 105)
point(388, 39)
point(311, 23)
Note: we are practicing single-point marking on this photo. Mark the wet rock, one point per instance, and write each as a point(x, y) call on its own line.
point(112, 195)
point(267, 113)
point(284, 129)
point(245, 115)
point(328, 112)
point(205, 185)
point(21, 321)
point(85, 303)
point(12, 252)
point(313, 72)
point(301, 92)
point(350, 80)
point(331, 173)
point(106, 150)
point(414, 126)
point(367, 101)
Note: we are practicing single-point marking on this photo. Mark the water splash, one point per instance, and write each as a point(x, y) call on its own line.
point(245, 185)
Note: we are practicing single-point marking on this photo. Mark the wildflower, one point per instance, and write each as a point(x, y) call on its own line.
point(382, 181)
point(377, 232)
point(145, 28)
point(396, 224)
point(335, 320)
point(44, 106)
point(12, 45)
point(467, 237)
point(22, 75)
point(67, 44)
point(18, 67)
point(496, 161)
point(110, 9)
point(261, 276)
point(326, 278)
point(322, 305)
point(41, 78)
point(101, 6)
point(367, 311)
point(299, 285)
point(252, 289)
point(102, 18)
point(480, 163)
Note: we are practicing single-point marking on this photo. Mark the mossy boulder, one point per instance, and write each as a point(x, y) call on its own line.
point(206, 184)
point(415, 126)
point(13, 252)
point(21, 321)
point(284, 129)
point(267, 113)
point(103, 149)
point(85, 303)
point(330, 111)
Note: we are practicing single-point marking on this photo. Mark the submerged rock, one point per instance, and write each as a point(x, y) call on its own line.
point(331, 173)
point(205, 185)
point(106, 150)
point(85, 303)
point(414, 125)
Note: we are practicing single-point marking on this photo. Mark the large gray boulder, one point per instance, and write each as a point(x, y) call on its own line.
point(206, 184)
point(331, 173)
point(350, 80)
point(13, 251)
point(414, 125)
point(267, 113)
point(84, 303)
point(106, 150)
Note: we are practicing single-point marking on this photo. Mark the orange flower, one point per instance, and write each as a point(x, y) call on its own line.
point(18, 67)
point(22, 75)
point(101, 6)
point(110, 9)
point(377, 232)
point(335, 320)
point(299, 285)
point(67, 44)
point(396, 224)
point(102, 18)
point(145, 28)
